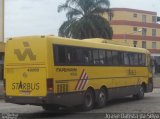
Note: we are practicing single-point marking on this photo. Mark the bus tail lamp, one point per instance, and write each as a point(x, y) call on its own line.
point(50, 85)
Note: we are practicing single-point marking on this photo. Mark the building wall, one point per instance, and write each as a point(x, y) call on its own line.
point(128, 14)
point(127, 26)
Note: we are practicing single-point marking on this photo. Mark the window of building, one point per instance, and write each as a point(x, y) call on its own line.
point(154, 45)
point(135, 29)
point(110, 16)
point(144, 18)
point(143, 44)
point(135, 15)
point(135, 43)
point(154, 33)
point(154, 19)
point(144, 31)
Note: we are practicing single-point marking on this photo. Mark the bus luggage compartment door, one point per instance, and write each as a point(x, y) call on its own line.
point(25, 81)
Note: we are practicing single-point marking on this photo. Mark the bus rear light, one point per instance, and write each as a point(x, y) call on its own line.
point(50, 85)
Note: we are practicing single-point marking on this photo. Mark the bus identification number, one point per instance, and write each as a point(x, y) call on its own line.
point(131, 72)
point(33, 69)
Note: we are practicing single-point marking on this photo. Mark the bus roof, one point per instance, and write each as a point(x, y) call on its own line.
point(96, 43)
point(91, 43)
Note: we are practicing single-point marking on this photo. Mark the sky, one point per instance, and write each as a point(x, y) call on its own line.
point(40, 17)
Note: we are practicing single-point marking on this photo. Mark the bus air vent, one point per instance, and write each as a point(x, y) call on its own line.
point(62, 87)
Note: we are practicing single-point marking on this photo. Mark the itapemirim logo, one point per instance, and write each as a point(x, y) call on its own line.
point(27, 52)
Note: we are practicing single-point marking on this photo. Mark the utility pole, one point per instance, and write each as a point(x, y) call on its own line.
point(1, 20)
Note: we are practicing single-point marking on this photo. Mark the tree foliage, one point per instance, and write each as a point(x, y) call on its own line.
point(84, 19)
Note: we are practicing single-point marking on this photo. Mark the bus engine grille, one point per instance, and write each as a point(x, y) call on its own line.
point(62, 88)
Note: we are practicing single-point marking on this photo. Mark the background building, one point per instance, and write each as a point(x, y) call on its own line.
point(1, 37)
point(137, 27)
point(1, 20)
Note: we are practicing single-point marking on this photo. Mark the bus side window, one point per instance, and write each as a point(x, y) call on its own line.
point(79, 54)
point(95, 57)
point(142, 59)
point(131, 58)
point(121, 58)
point(68, 55)
point(135, 61)
point(109, 57)
point(73, 55)
point(87, 56)
point(115, 57)
point(59, 55)
point(102, 56)
point(126, 58)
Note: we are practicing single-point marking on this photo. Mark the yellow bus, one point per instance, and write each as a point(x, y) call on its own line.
point(52, 71)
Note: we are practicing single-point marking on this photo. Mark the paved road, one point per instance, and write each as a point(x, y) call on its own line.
point(150, 104)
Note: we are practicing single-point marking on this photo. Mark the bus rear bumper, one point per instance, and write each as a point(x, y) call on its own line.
point(68, 99)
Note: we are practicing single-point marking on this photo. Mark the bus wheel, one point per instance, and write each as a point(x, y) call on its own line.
point(89, 100)
point(101, 98)
point(50, 107)
point(140, 94)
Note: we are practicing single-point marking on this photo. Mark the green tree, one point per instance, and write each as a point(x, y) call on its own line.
point(84, 19)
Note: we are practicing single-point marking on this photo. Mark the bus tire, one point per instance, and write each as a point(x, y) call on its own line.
point(140, 94)
point(101, 98)
point(89, 100)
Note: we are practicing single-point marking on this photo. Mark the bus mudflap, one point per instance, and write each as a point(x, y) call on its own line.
point(149, 87)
